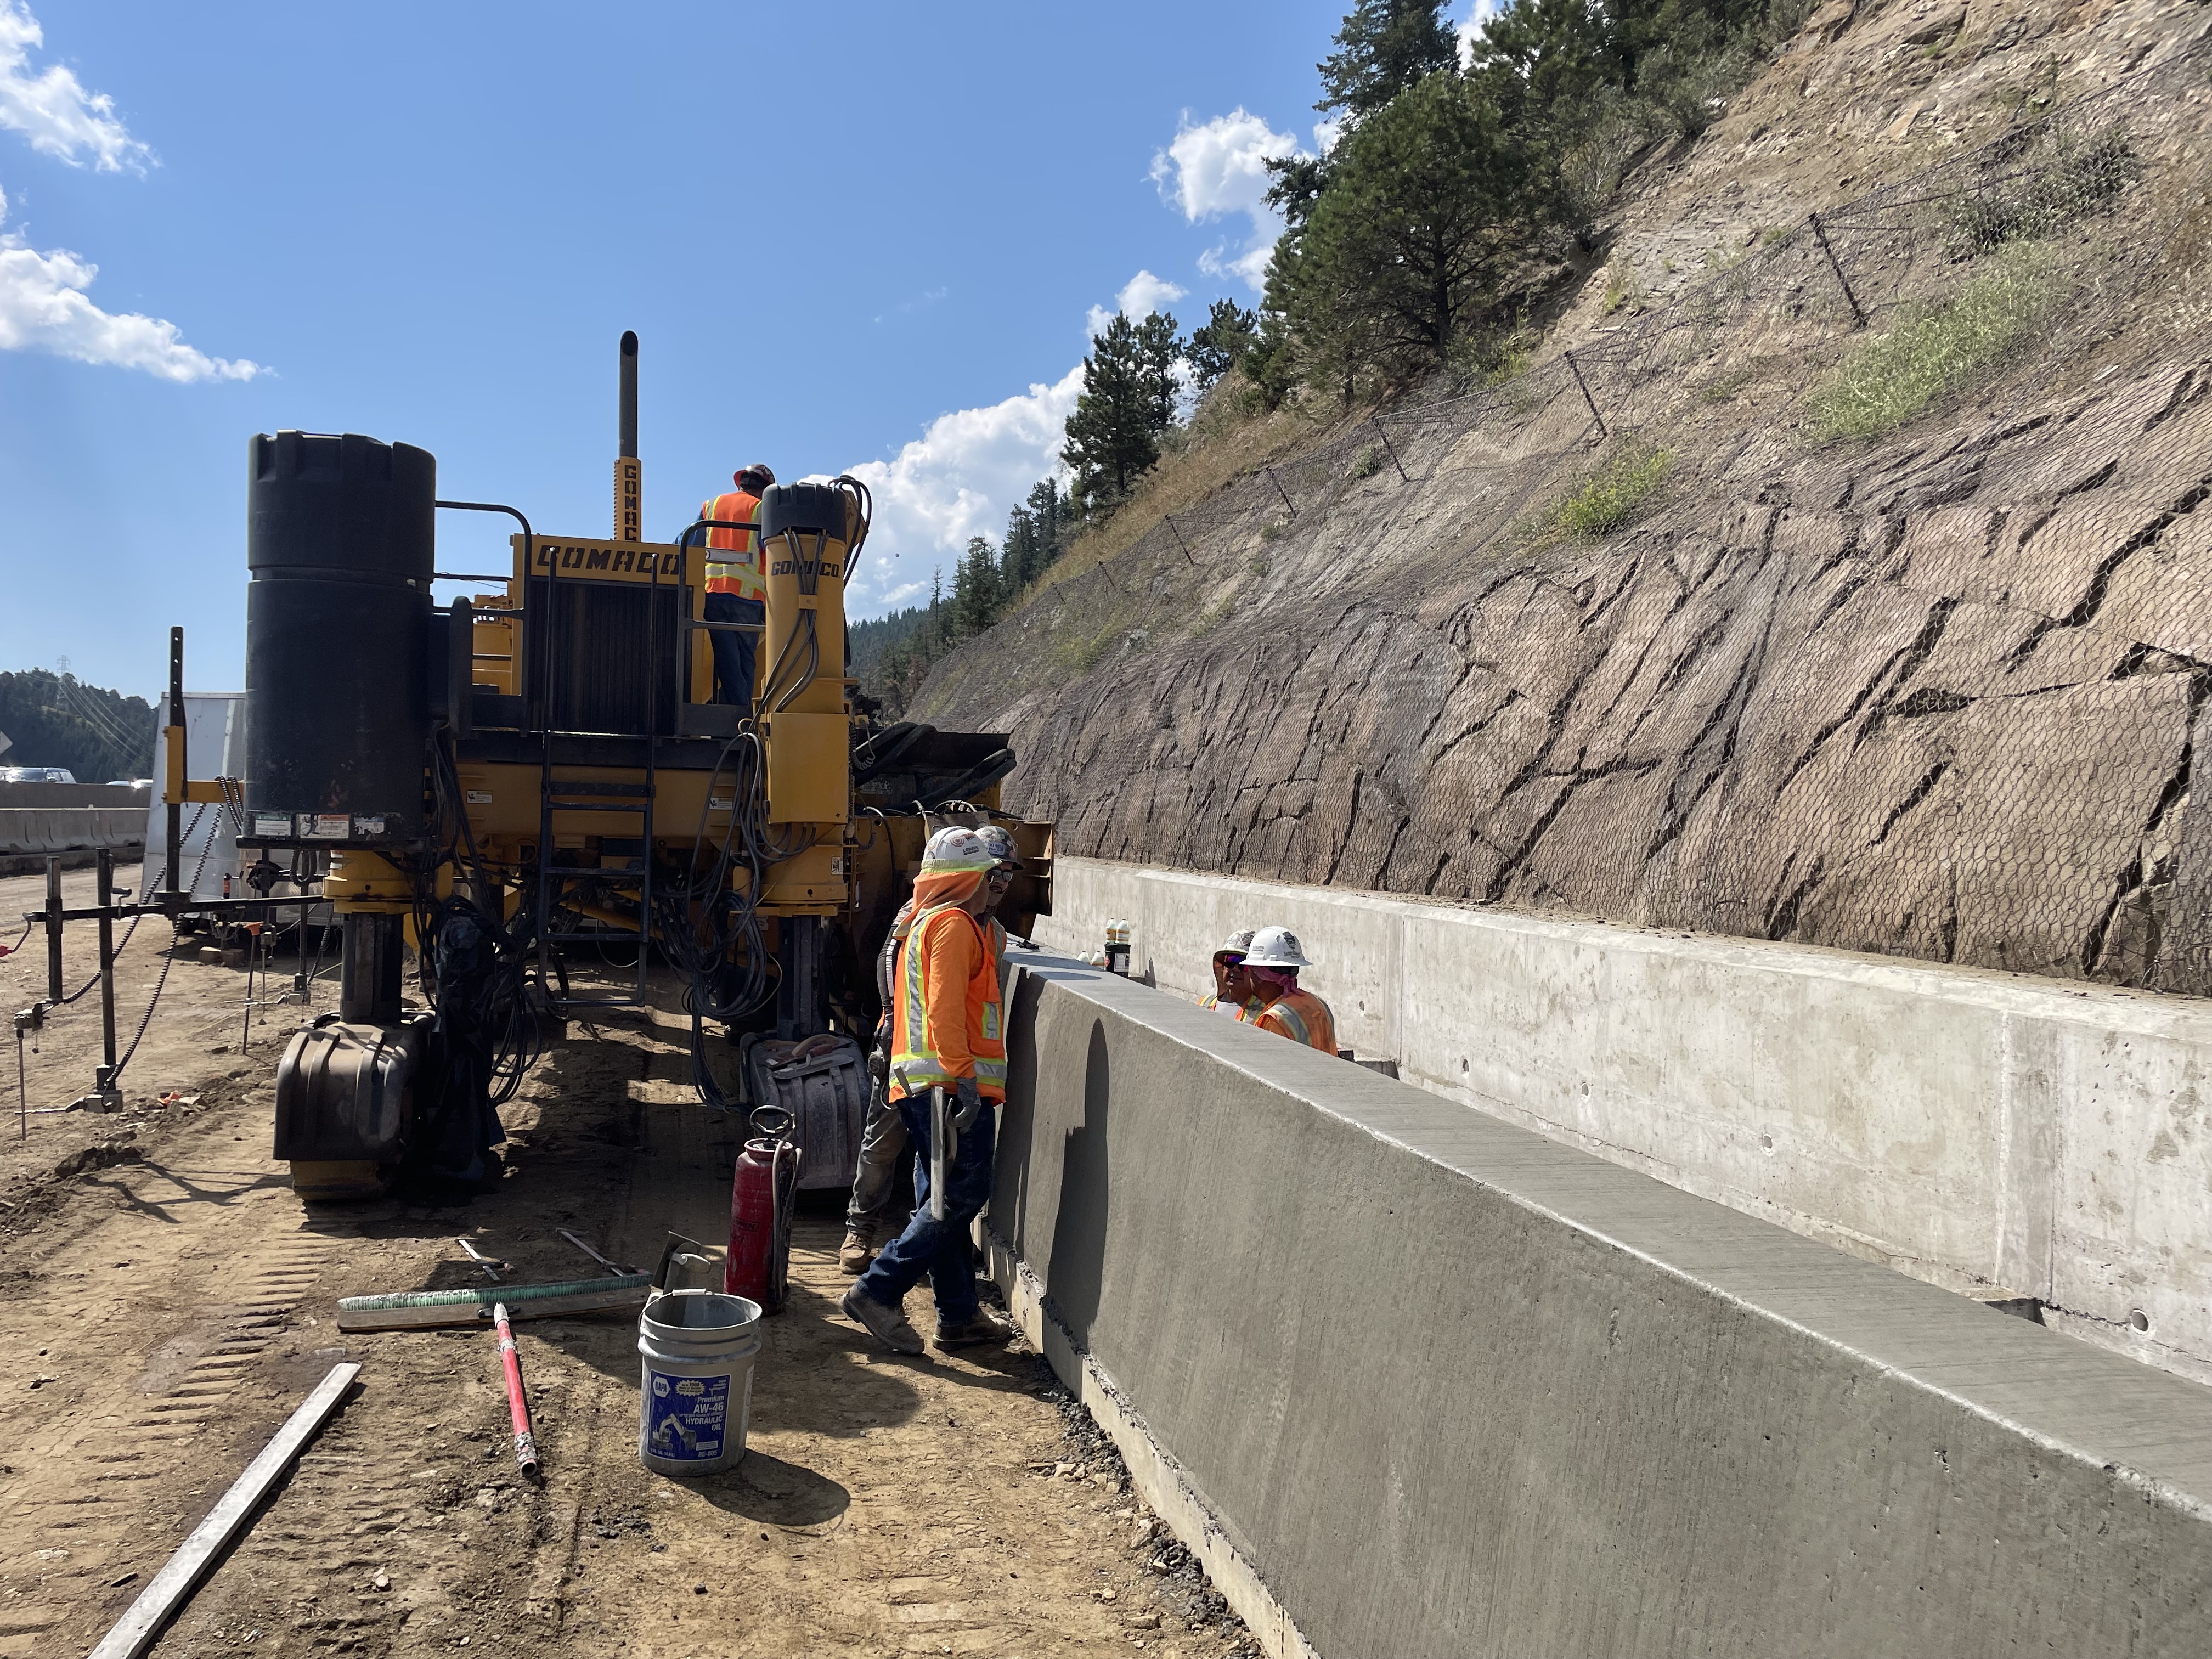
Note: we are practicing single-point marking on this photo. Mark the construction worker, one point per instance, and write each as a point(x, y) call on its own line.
point(736, 590)
point(946, 1033)
point(1271, 970)
point(883, 1137)
point(1231, 995)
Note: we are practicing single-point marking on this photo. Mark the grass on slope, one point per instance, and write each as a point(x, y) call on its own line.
point(1607, 495)
point(1936, 351)
point(1226, 440)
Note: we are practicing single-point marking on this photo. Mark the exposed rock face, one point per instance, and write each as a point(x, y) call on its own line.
point(1939, 697)
point(1939, 701)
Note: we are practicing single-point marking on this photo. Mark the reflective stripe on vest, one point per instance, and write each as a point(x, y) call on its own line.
point(913, 1057)
point(1301, 1016)
point(740, 575)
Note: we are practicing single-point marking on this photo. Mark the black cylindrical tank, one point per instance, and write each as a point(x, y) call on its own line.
point(339, 538)
point(818, 507)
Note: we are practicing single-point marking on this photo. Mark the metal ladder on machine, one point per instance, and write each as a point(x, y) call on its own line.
point(571, 794)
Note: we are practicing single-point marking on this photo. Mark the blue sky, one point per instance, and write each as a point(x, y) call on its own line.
point(864, 236)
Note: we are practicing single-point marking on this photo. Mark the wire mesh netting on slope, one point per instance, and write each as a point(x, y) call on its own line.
point(1858, 596)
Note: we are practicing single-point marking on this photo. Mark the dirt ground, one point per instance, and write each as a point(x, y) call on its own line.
point(168, 1302)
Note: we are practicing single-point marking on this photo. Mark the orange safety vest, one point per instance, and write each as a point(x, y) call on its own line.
point(946, 1023)
point(740, 575)
point(1302, 1017)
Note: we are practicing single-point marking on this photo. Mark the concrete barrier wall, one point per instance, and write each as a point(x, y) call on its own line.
point(73, 795)
point(1428, 1383)
point(68, 828)
point(1985, 1132)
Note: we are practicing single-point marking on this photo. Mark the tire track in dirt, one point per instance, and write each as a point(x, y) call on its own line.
point(156, 1387)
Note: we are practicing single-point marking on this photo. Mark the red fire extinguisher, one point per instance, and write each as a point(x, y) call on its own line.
point(762, 1193)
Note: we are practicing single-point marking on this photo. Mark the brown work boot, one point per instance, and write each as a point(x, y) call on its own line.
point(885, 1323)
point(856, 1252)
point(985, 1327)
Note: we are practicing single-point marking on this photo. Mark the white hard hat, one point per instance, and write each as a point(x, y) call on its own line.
point(1276, 947)
point(955, 848)
point(999, 842)
point(1235, 946)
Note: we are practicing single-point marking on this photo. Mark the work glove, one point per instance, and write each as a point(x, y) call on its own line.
point(970, 1107)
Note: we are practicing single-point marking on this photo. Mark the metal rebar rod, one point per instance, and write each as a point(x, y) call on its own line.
point(1393, 450)
point(245, 1023)
point(1173, 530)
point(1858, 312)
point(1575, 369)
point(53, 929)
point(177, 770)
point(107, 968)
point(1279, 490)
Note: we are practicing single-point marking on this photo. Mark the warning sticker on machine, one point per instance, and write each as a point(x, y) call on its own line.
point(479, 796)
point(685, 1417)
point(326, 826)
point(272, 823)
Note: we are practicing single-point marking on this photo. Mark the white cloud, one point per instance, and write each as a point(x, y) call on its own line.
point(1140, 296)
point(1325, 133)
point(1144, 294)
point(958, 480)
point(1470, 31)
point(1251, 265)
point(53, 109)
point(43, 308)
point(1220, 166)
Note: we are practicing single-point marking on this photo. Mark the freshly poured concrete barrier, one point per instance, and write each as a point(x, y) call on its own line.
point(1983, 1131)
point(1442, 1386)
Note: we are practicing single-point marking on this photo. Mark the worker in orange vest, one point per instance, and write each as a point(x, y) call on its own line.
point(882, 1135)
point(1231, 996)
point(736, 590)
point(1271, 973)
point(948, 1033)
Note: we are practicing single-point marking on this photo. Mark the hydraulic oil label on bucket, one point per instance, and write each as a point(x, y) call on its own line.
point(685, 1417)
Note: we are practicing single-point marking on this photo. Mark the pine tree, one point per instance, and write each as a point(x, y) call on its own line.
point(1128, 400)
point(1384, 47)
point(1054, 514)
point(1035, 529)
point(1219, 344)
point(1430, 200)
point(977, 588)
point(1021, 558)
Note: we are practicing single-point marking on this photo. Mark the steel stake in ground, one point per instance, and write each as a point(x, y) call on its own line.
point(518, 1404)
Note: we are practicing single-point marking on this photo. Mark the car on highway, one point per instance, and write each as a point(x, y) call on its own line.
point(36, 774)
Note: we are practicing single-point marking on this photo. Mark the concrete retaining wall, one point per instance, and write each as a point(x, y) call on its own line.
point(1429, 1384)
point(67, 829)
point(1983, 1131)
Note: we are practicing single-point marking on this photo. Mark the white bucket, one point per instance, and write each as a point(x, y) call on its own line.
point(696, 1389)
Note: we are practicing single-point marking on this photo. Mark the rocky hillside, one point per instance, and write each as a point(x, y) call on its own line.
point(1841, 580)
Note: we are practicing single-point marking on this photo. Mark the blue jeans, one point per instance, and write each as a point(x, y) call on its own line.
point(940, 1249)
point(734, 652)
